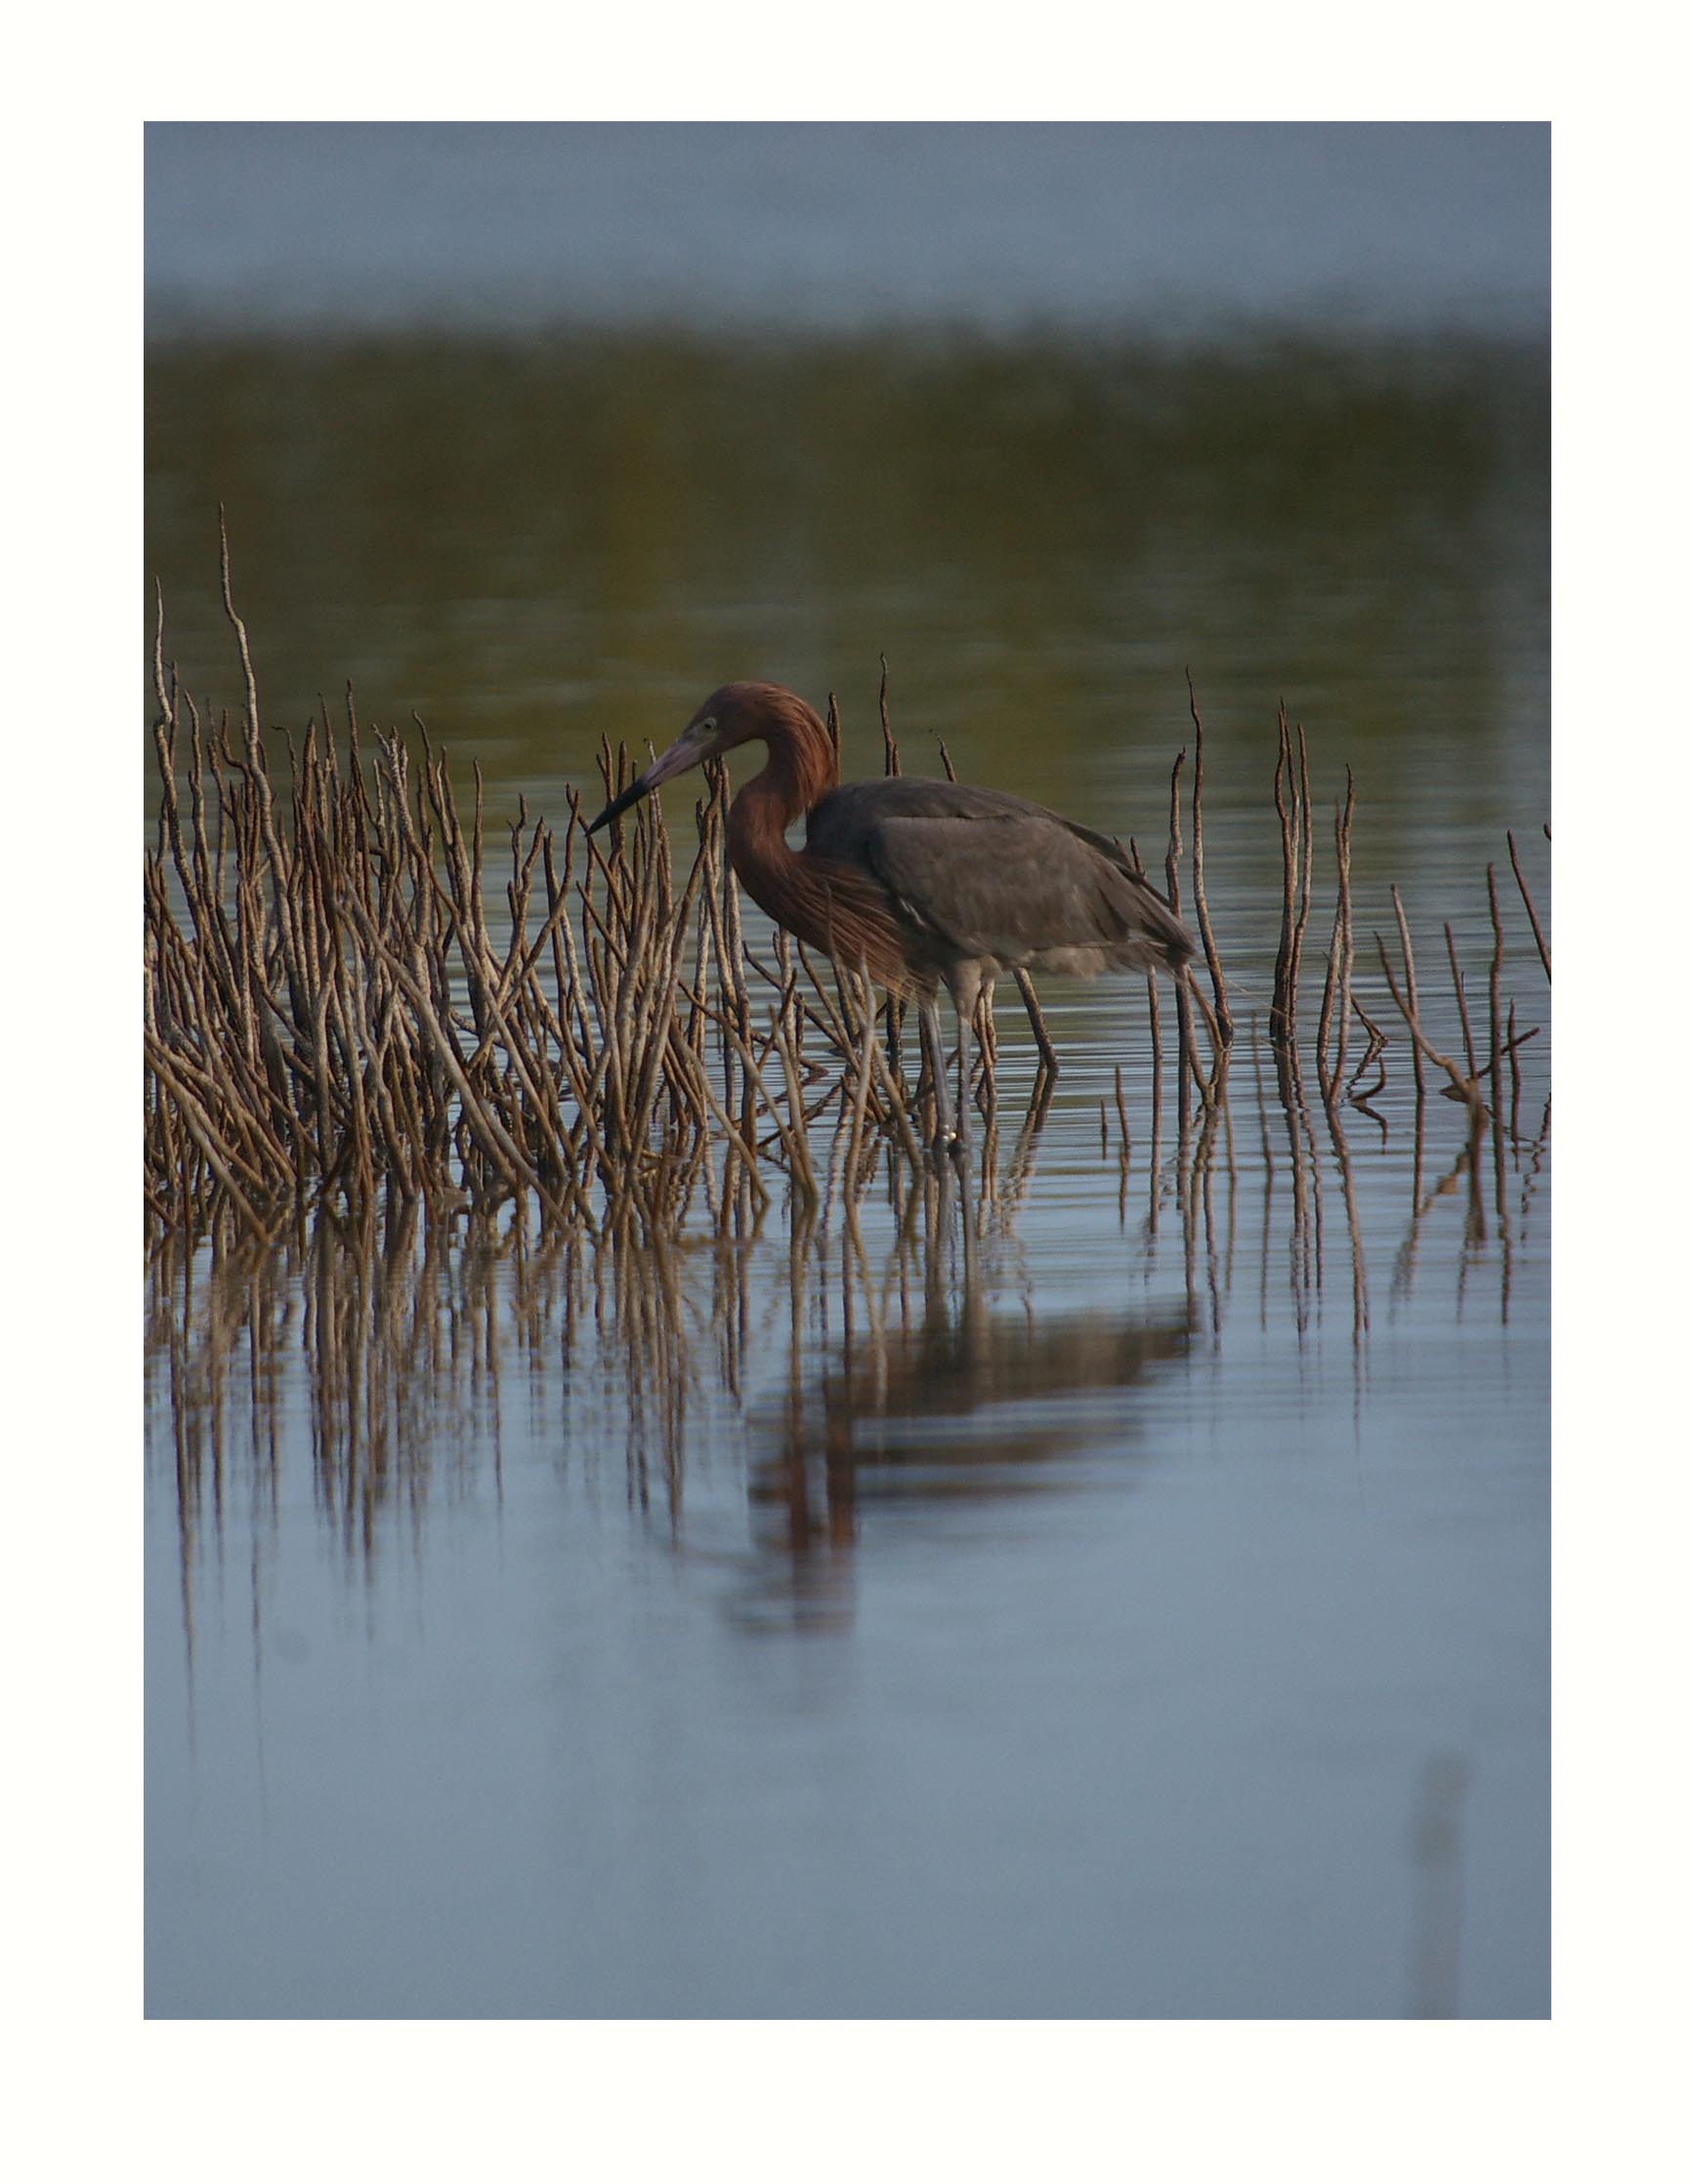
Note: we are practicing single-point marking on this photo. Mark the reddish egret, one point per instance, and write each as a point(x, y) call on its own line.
point(919, 881)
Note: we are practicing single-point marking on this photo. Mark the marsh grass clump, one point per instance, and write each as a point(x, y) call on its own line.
point(334, 1013)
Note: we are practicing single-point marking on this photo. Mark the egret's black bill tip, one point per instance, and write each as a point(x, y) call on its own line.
point(619, 805)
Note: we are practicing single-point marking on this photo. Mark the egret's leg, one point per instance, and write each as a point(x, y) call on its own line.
point(966, 1219)
point(960, 1136)
point(965, 982)
point(944, 1128)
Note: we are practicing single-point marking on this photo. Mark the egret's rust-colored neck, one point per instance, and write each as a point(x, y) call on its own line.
point(798, 772)
point(829, 906)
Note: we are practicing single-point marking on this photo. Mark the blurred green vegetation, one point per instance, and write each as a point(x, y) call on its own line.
point(533, 542)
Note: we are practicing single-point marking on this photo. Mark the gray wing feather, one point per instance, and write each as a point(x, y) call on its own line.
point(990, 874)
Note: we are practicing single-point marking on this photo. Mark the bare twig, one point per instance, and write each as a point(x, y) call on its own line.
point(1539, 939)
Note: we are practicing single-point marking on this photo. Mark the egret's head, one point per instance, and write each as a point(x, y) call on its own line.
point(737, 713)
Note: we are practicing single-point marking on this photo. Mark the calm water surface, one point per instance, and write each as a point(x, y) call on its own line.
point(1143, 1614)
point(1127, 1594)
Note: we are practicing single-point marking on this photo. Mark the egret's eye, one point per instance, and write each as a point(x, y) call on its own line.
point(705, 728)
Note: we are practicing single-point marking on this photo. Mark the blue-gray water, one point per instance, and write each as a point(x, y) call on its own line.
point(1148, 1614)
point(558, 1635)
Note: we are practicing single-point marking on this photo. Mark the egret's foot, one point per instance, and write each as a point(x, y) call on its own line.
point(950, 1141)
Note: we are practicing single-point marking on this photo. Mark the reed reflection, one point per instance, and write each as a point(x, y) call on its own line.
point(882, 1341)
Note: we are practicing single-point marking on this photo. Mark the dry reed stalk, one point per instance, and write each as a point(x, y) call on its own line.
point(659, 1026)
point(732, 959)
point(1262, 1105)
point(1133, 855)
point(1495, 1033)
point(1528, 903)
point(1123, 1121)
point(985, 1074)
point(1306, 875)
point(1461, 1003)
point(1409, 988)
point(1353, 1228)
point(1342, 849)
point(889, 749)
point(799, 1164)
point(625, 926)
point(1224, 1021)
point(704, 815)
point(888, 1108)
point(794, 1015)
point(1211, 1087)
point(490, 1133)
point(1306, 1238)
point(1280, 1011)
point(1183, 1003)
point(1377, 1047)
point(1336, 985)
point(1048, 1060)
point(824, 1017)
point(754, 1091)
point(1463, 1086)
point(257, 776)
point(864, 995)
point(788, 1131)
point(847, 1039)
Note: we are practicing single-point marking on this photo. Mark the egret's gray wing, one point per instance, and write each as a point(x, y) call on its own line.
point(988, 874)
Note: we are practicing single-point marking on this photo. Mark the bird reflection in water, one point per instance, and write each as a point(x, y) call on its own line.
point(945, 1397)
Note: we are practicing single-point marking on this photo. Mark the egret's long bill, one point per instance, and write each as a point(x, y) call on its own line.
point(697, 744)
